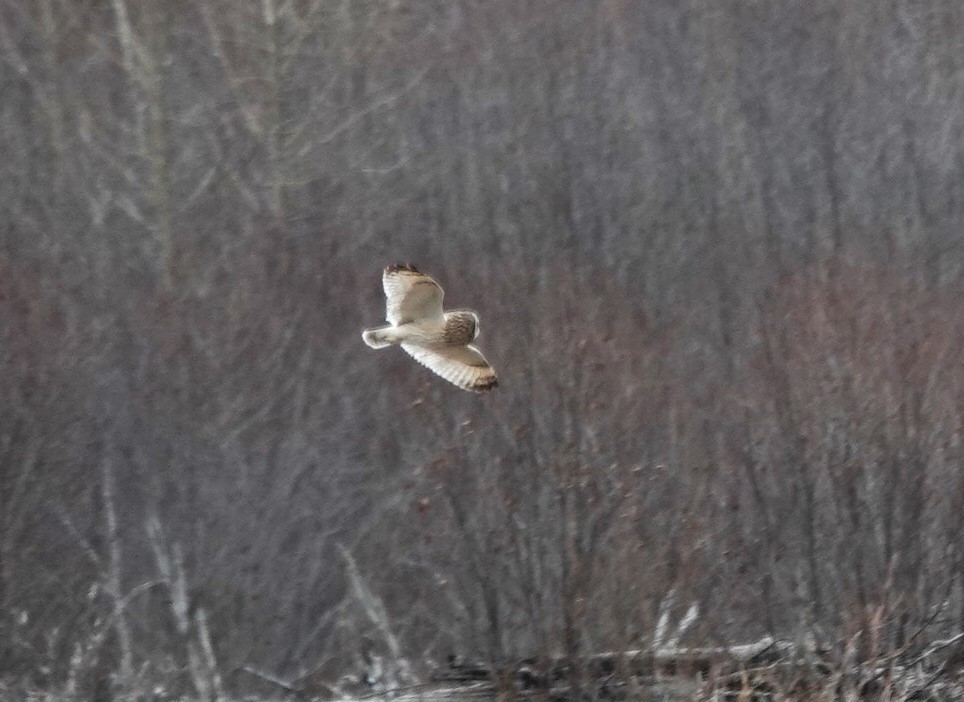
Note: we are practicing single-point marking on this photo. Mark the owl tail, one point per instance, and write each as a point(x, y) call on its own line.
point(378, 338)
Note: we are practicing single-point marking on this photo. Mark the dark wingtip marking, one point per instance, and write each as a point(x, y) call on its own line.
point(402, 268)
point(494, 383)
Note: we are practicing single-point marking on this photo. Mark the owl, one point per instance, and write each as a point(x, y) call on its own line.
point(437, 339)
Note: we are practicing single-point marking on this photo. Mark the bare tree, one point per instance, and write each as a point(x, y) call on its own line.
point(716, 248)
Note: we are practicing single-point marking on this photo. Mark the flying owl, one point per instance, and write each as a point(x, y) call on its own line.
point(437, 339)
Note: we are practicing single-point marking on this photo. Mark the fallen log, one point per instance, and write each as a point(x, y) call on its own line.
point(531, 672)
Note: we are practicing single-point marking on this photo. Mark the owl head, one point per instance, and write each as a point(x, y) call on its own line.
point(464, 325)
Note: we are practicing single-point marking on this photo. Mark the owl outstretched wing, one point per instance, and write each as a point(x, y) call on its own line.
point(464, 366)
point(410, 295)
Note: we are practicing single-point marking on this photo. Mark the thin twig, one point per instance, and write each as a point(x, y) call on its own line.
point(273, 679)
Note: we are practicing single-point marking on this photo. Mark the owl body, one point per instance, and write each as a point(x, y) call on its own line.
point(436, 339)
point(425, 334)
point(455, 328)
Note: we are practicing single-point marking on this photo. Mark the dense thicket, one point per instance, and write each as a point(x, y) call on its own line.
point(716, 248)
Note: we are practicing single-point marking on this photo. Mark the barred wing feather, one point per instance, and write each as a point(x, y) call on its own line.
point(464, 366)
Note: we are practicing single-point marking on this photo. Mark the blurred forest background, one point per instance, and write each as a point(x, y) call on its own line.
point(717, 250)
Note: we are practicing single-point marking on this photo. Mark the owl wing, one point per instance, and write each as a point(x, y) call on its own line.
point(410, 295)
point(464, 366)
